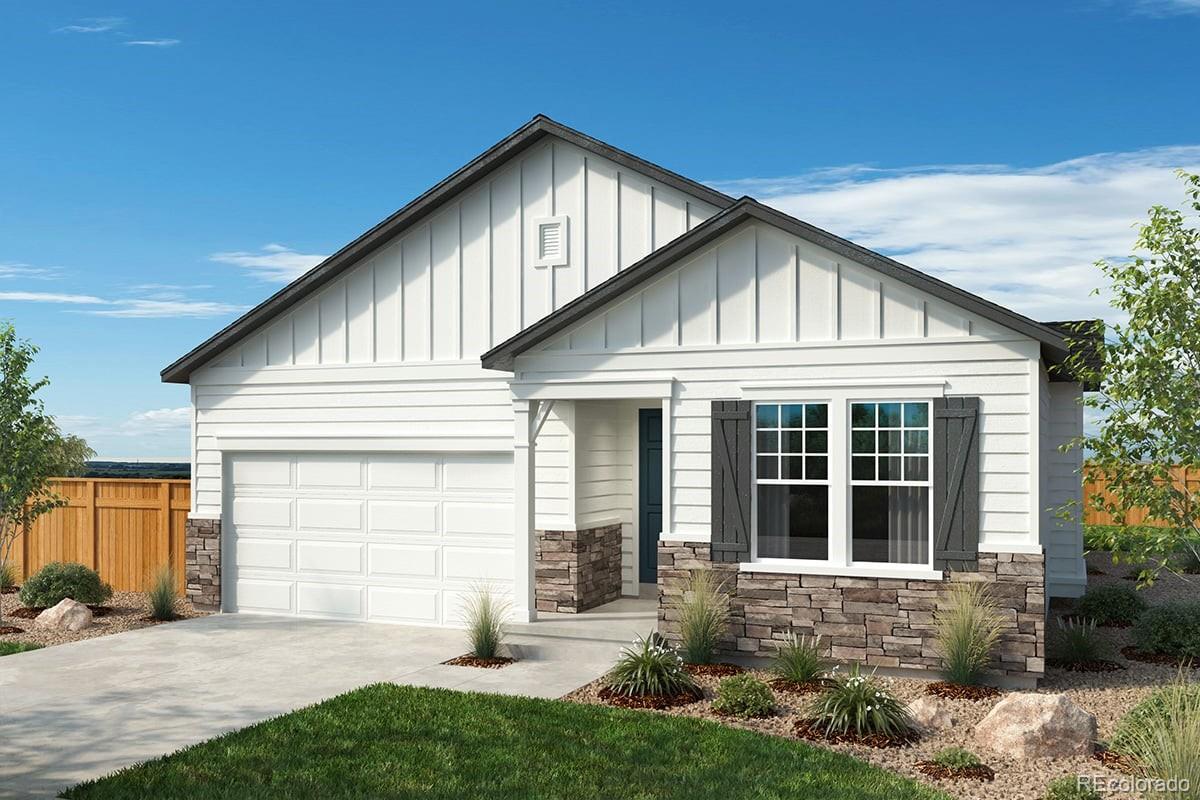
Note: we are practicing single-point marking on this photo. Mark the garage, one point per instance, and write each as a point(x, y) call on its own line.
point(378, 537)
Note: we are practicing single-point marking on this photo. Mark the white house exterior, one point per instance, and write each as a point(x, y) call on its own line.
point(567, 372)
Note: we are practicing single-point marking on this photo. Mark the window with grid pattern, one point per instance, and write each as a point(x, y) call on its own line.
point(792, 473)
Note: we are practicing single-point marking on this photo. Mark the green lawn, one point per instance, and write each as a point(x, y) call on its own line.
point(9, 648)
point(388, 741)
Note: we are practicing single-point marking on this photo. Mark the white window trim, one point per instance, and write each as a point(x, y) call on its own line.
point(839, 397)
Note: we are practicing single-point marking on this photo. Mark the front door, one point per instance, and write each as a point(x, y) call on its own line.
point(650, 494)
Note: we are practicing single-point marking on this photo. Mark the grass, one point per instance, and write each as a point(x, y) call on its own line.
point(12, 648)
point(387, 741)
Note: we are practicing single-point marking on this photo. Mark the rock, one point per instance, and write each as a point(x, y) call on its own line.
point(66, 616)
point(1026, 725)
point(931, 714)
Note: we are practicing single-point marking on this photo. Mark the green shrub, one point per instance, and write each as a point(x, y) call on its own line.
point(1187, 558)
point(12, 648)
point(744, 696)
point(1076, 642)
point(648, 668)
point(955, 758)
point(58, 580)
point(162, 593)
point(1111, 603)
point(799, 659)
point(703, 611)
point(1071, 788)
point(858, 705)
point(1172, 629)
point(8, 575)
point(484, 613)
point(968, 626)
point(1164, 737)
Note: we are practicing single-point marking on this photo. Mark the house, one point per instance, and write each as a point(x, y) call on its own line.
point(569, 372)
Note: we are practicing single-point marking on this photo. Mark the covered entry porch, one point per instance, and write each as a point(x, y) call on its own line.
point(591, 492)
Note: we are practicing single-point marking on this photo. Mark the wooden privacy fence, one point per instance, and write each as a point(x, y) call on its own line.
point(124, 528)
point(1185, 476)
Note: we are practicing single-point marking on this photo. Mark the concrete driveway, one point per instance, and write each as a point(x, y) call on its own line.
point(81, 710)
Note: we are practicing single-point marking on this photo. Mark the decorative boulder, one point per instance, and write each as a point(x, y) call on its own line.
point(1027, 725)
point(931, 714)
point(66, 616)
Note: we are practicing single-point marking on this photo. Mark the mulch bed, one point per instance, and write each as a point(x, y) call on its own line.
point(808, 729)
point(1133, 654)
point(1099, 665)
point(979, 772)
point(722, 670)
point(1115, 761)
point(797, 687)
point(496, 662)
point(1078, 620)
point(654, 701)
point(25, 613)
point(730, 715)
point(959, 691)
point(10, 590)
point(5, 630)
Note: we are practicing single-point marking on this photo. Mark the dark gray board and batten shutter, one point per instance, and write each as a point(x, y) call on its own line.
point(956, 483)
point(732, 448)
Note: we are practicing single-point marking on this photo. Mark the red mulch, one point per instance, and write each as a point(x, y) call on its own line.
point(655, 701)
point(25, 613)
point(100, 611)
point(808, 729)
point(1099, 665)
point(5, 630)
point(1115, 761)
point(796, 687)
point(483, 663)
point(722, 670)
point(10, 589)
point(960, 691)
point(1133, 654)
point(979, 772)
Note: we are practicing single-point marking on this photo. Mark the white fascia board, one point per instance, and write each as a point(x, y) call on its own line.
point(593, 389)
point(337, 443)
point(804, 388)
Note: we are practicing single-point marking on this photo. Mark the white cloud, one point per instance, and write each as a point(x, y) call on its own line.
point(273, 262)
point(172, 305)
point(17, 270)
point(1026, 238)
point(1166, 8)
point(153, 42)
point(157, 420)
point(51, 297)
point(93, 25)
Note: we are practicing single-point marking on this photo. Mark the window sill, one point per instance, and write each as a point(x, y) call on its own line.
point(908, 572)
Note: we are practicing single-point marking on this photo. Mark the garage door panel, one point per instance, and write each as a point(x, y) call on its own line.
point(326, 514)
point(266, 471)
point(403, 560)
point(404, 605)
point(478, 474)
point(263, 512)
point(401, 516)
point(469, 563)
point(330, 599)
point(402, 472)
point(462, 518)
point(262, 595)
point(264, 553)
point(329, 471)
point(329, 557)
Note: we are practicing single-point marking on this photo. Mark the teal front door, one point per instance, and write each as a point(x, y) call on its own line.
point(650, 494)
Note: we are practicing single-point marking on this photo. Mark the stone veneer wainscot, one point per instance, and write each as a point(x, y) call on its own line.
point(577, 570)
point(878, 621)
point(202, 563)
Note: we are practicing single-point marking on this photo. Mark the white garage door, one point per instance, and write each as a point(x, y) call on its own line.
point(379, 537)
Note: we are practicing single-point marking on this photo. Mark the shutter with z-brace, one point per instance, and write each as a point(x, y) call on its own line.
point(731, 480)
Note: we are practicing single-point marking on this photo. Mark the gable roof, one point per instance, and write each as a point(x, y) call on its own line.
point(503, 151)
point(501, 357)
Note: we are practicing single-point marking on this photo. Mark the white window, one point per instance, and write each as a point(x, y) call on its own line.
point(792, 473)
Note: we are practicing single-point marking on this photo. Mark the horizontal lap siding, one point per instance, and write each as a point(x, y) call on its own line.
point(606, 436)
point(1066, 572)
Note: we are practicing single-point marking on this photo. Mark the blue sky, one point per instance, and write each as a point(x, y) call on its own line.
point(165, 165)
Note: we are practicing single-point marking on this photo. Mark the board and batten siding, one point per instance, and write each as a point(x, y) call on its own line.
point(759, 305)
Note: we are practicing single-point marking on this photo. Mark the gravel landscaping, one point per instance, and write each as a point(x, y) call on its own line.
point(129, 611)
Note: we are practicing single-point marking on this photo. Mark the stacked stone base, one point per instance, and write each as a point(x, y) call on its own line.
point(577, 570)
point(876, 621)
point(202, 563)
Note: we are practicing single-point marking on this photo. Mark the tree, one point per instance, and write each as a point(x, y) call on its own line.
point(32, 449)
point(1148, 374)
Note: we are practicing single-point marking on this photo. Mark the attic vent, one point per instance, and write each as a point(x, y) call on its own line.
point(550, 239)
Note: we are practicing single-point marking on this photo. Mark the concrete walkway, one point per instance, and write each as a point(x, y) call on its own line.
point(81, 710)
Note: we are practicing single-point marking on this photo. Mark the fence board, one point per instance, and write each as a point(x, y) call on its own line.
point(124, 528)
point(1184, 475)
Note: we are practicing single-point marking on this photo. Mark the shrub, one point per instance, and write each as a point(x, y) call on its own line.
point(1111, 603)
point(1148, 714)
point(1165, 736)
point(799, 659)
point(1071, 788)
point(58, 580)
point(857, 705)
point(1171, 629)
point(649, 667)
point(162, 594)
point(744, 696)
point(484, 613)
point(955, 758)
point(8, 575)
point(1187, 558)
point(1077, 643)
point(703, 611)
point(968, 626)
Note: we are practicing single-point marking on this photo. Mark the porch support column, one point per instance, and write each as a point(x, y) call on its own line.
point(525, 413)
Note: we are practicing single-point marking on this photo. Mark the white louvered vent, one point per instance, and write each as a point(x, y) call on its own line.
point(550, 241)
